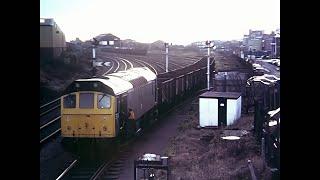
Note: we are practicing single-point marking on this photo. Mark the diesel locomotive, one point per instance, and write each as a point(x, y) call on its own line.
point(96, 108)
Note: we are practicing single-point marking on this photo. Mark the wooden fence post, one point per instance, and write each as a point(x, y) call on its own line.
point(263, 151)
point(253, 176)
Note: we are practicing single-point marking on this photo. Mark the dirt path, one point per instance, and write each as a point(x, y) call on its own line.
point(154, 141)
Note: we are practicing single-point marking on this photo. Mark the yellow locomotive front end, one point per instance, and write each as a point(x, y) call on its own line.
point(88, 114)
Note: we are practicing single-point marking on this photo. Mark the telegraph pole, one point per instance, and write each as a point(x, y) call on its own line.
point(93, 53)
point(166, 45)
point(94, 45)
point(275, 47)
point(208, 43)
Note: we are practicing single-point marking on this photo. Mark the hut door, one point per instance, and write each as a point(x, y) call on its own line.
point(222, 111)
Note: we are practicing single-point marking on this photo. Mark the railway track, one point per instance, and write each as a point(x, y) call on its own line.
point(49, 120)
point(50, 130)
point(118, 64)
point(129, 64)
point(112, 66)
point(161, 66)
point(46, 108)
point(125, 64)
point(142, 63)
point(82, 170)
point(175, 62)
point(104, 169)
point(148, 65)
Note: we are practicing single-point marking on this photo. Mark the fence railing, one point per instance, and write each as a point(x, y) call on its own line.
point(267, 132)
point(266, 103)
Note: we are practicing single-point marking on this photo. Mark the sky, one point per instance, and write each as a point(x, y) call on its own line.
point(174, 21)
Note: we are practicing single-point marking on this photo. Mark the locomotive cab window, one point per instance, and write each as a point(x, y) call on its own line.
point(69, 101)
point(86, 100)
point(104, 101)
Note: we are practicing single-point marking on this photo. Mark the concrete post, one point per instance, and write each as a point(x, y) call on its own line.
point(208, 65)
point(167, 53)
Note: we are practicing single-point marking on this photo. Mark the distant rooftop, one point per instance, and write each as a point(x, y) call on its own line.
point(107, 37)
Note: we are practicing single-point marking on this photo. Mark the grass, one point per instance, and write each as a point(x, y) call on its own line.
point(194, 157)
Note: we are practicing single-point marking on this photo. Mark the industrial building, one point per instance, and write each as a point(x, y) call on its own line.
point(259, 44)
point(52, 39)
point(108, 40)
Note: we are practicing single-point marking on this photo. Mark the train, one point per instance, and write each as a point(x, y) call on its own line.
point(94, 110)
point(97, 107)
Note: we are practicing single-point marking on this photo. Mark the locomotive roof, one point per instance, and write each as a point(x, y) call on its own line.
point(115, 83)
point(118, 85)
point(135, 73)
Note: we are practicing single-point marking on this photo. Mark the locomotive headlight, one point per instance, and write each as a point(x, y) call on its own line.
point(69, 128)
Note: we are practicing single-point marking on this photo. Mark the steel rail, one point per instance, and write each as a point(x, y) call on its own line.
point(41, 114)
point(66, 170)
point(97, 174)
point(130, 64)
point(117, 66)
point(47, 124)
point(44, 139)
point(109, 68)
point(155, 71)
point(49, 103)
point(125, 64)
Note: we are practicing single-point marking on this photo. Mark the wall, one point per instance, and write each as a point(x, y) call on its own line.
point(233, 110)
point(255, 44)
point(46, 36)
point(208, 112)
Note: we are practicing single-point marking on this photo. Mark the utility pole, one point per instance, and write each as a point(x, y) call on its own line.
point(93, 53)
point(208, 43)
point(166, 45)
point(275, 46)
point(94, 45)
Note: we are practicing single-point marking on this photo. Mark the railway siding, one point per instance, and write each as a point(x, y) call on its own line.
point(191, 71)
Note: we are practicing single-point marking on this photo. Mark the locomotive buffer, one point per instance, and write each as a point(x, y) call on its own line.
point(150, 162)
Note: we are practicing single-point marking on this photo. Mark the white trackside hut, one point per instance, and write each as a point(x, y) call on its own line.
point(219, 108)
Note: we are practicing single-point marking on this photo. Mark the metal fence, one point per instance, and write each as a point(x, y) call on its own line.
point(267, 124)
